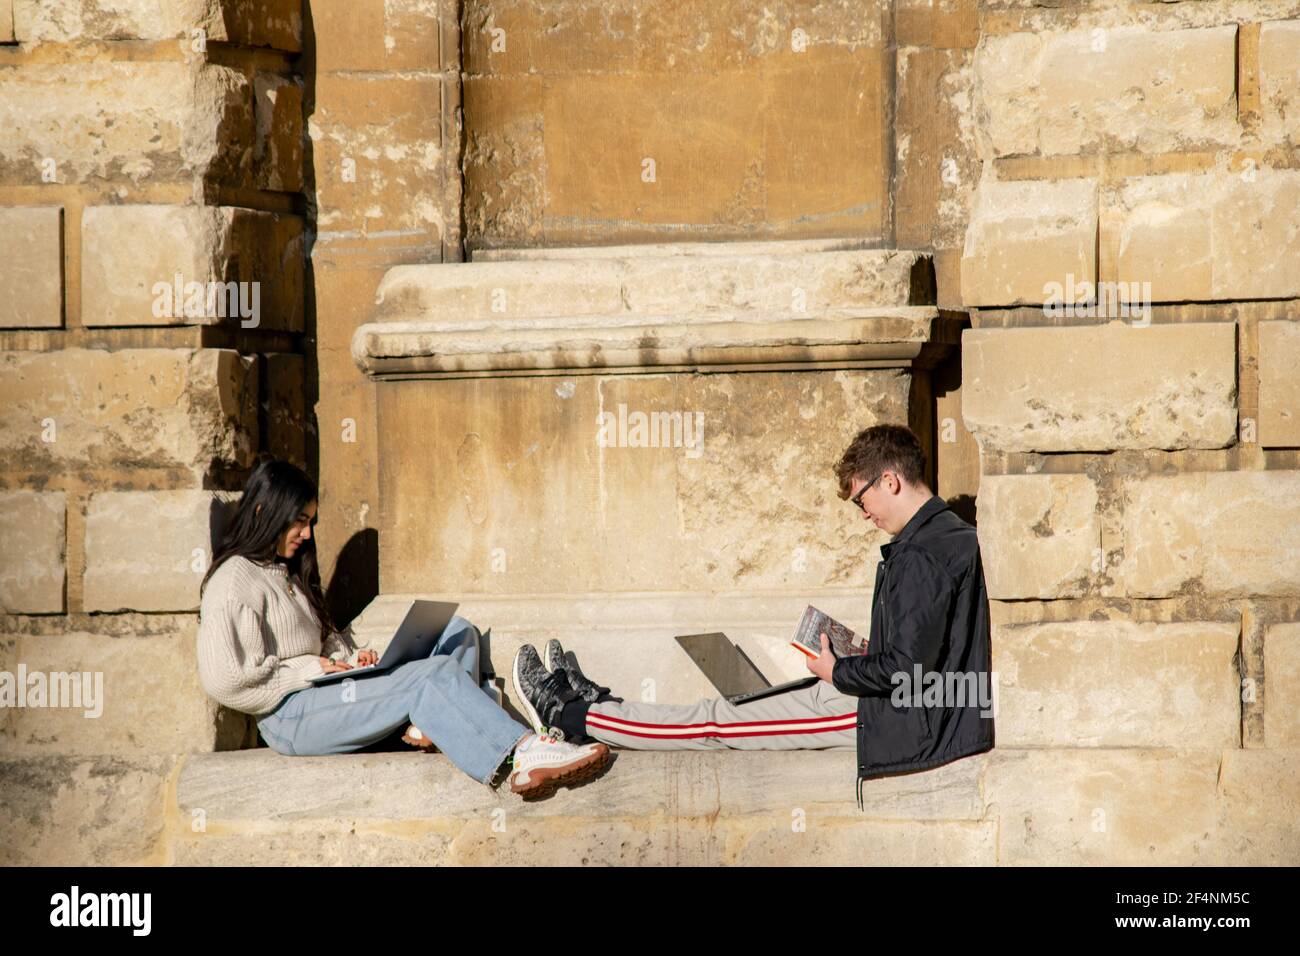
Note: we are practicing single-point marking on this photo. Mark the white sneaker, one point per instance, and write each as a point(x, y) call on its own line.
point(543, 762)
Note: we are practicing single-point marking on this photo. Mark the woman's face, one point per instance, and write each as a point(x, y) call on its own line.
point(297, 533)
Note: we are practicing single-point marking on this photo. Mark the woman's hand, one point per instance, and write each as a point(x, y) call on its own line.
point(366, 658)
point(331, 667)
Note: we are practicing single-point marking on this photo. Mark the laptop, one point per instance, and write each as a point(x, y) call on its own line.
point(730, 670)
point(414, 640)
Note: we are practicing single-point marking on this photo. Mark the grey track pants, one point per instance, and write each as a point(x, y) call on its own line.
point(814, 718)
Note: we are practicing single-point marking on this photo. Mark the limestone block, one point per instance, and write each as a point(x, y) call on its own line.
point(149, 550)
point(124, 695)
point(772, 284)
point(138, 408)
point(1027, 238)
point(751, 503)
point(278, 153)
point(1098, 387)
point(379, 158)
point(1210, 236)
point(83, 811)
point(654, 808)
point(1279, 386)
point(394, 35)
point(31, 282)
point(147, 122)
point(273, 23)
point(191, 265)
point(1259, 806)
point(1230, 534)
point(32, 571)
point(1282, 686)
point(1116, 807)
point(1107, 88)
point(1117, 684)
point(1279, 77)
point(1040, 535)
point(6, 23)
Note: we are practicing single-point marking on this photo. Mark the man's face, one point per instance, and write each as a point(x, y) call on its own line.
point(875, 501)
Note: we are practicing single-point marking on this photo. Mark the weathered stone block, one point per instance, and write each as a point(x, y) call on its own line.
point(394, 35)
point(1279, 76)
point(1230, 534)
point(139, 408)
point(1259, 806)
point(777, 284)
point(149, 550)
point(1210, 236)
point(1282, 686)
point(32, 572)
point(731, 511)
point(1107, 88)
point(31, 284)
point(124, 695)
point(1040, 535)
point(1041, 389)
point(149, 122)
point(191, 265)
point(1114, 807)
point(1279, 386)
point(1026, 239)
point(274, 23)
point(83, 811)
point(379, 159)
point(6, 23)
point(1117, 684)
point(278, 152)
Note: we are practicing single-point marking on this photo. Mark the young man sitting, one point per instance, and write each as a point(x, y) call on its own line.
point(929, 616)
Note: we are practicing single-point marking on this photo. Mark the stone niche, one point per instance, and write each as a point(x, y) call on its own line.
point(617, 445)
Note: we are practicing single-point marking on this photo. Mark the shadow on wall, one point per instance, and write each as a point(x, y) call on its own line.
point(355, 582)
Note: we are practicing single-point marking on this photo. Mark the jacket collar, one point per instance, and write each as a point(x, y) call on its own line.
point(923, 514)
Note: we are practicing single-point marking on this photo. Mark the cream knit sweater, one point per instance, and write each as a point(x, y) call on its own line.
point(257, 643)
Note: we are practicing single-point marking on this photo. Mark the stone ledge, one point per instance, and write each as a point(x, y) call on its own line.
point(866, 338)
point(1073, 806)
point(664, 306)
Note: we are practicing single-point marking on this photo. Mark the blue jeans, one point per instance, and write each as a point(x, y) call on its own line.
point(439, 694)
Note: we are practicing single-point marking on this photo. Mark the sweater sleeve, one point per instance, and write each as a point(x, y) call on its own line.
point(234, 667)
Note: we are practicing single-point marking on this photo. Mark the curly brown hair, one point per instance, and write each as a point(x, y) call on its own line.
point(877, 448)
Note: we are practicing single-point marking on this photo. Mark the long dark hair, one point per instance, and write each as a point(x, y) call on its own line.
point(283, 491)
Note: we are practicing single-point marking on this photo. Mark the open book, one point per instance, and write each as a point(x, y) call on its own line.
point(844, 643)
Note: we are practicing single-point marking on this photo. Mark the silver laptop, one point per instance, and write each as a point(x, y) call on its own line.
point(414, 640)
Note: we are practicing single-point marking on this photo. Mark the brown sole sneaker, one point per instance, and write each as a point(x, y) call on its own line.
point(543, 782)
point(421, 743)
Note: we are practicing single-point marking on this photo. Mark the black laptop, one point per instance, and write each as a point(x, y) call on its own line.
point(731, 671)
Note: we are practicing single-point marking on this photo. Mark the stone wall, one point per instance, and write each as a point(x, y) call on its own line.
point(1131, 452)
point(150, 153)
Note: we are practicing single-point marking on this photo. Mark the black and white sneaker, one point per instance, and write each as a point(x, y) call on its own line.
point(541, 693)
point(558, 660)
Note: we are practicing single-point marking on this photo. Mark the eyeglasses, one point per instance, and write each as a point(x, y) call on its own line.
point(857, 499)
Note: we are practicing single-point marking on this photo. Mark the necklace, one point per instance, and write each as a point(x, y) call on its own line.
point(288, 586)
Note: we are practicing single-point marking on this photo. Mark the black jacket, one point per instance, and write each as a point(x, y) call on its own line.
point(930, 610)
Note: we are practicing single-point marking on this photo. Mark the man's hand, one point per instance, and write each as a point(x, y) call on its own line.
point(825, 663)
